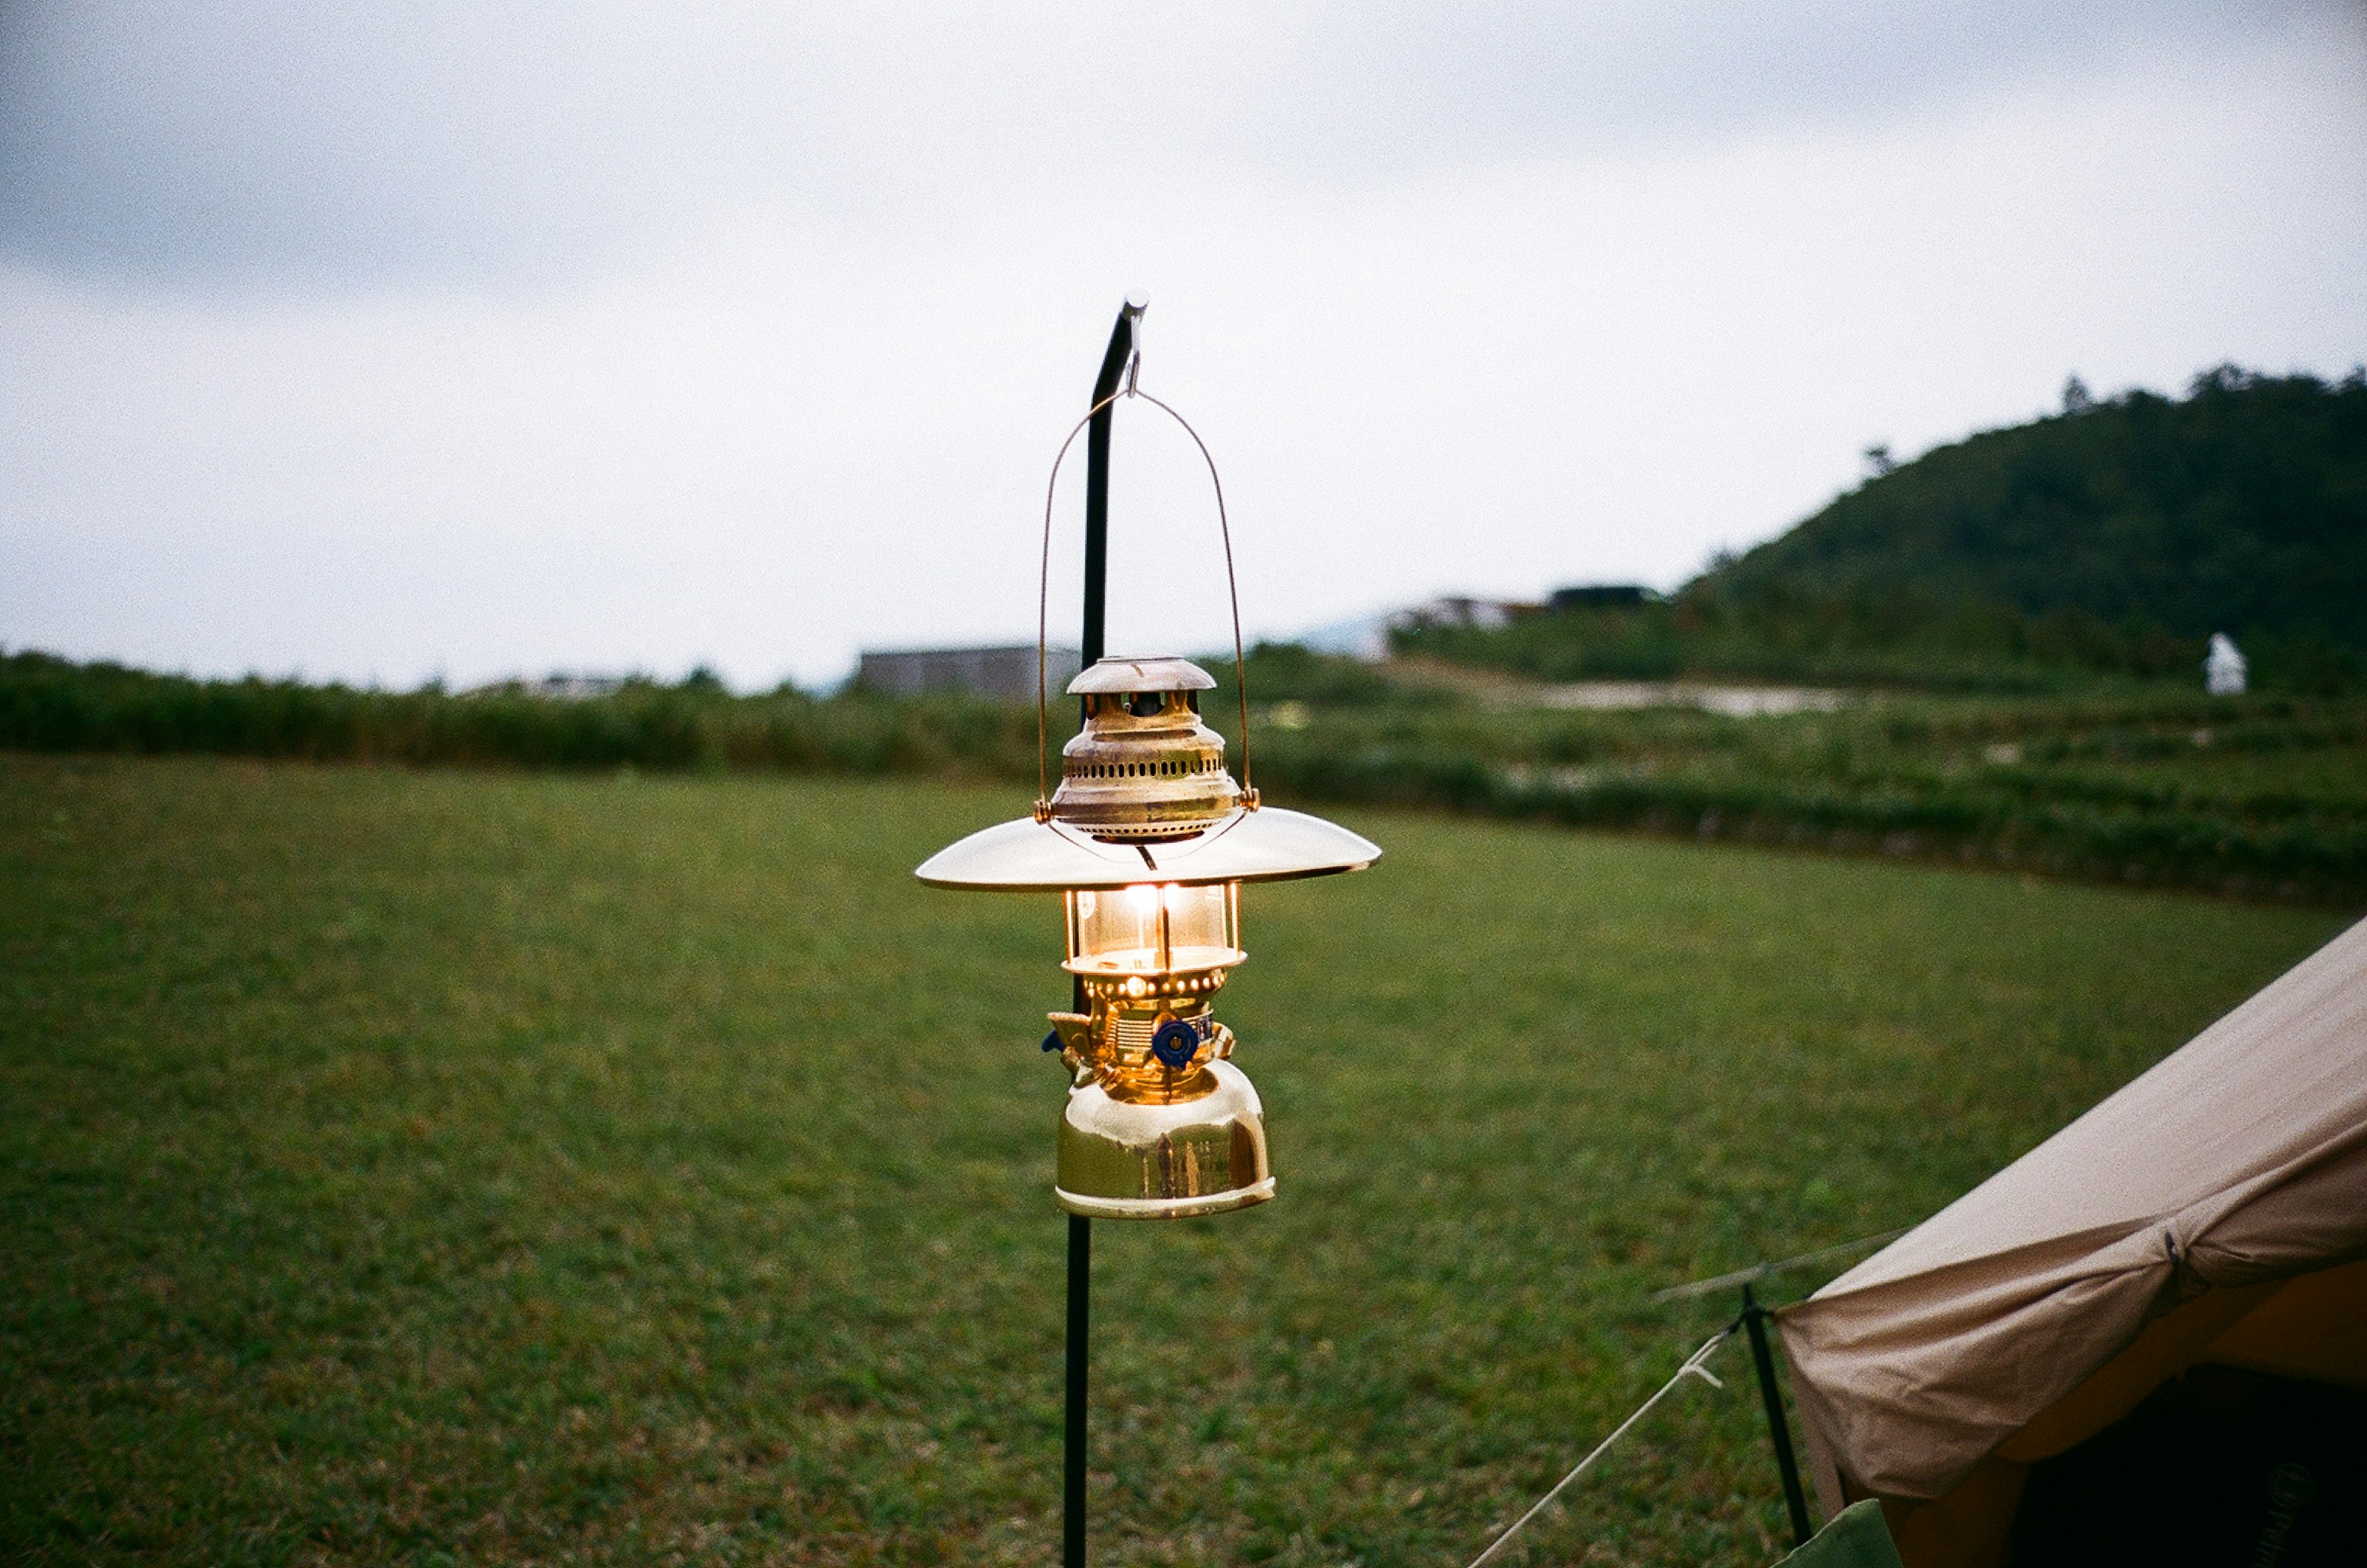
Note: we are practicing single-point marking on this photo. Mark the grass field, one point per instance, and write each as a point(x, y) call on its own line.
point(432, 1167)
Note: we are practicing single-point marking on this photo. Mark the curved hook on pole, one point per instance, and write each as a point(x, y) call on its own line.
point(1044, 586)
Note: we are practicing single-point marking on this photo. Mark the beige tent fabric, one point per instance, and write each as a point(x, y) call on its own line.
point(2237, 1163)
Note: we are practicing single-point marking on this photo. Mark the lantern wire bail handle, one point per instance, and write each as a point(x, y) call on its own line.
point(1044, 586)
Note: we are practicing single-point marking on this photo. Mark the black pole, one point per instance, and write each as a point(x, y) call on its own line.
point(1081, 1297)
point(1754, 1318)
point(1081, 1229)
point(1097, 449)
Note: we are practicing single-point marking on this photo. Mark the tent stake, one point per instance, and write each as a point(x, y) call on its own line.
point(1754, 1318)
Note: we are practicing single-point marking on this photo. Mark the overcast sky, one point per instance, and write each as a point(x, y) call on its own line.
point(382, 341)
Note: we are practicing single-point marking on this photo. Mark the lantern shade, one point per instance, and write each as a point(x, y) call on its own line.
point(1268, 845)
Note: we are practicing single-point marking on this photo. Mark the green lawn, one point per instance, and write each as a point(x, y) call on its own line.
point(430, 1168)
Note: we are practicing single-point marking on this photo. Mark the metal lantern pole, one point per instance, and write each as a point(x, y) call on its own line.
point(1080, 1232)
point(1158, 1122)
point(1098, 447)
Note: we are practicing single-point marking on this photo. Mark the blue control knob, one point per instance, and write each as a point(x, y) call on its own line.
point(1175, 1043)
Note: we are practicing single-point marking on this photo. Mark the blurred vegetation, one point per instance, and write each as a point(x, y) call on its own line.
point(406, 1166)
point(2263, 796)
point(2100, 546)
point(2258, 796)
point(53, 705)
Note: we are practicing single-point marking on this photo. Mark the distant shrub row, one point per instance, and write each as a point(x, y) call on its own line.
point(52, 705)
point(2165, 841)
point(2111, 789)
point(2085, 786)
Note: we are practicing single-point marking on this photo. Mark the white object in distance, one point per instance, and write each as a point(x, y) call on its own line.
point(2224, 668)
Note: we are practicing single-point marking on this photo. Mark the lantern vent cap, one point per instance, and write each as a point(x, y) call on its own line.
point(1116, 675)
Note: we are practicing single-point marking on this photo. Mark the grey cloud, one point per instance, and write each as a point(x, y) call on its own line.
point(346, 144)
point(1532, 76)
point(335, 146)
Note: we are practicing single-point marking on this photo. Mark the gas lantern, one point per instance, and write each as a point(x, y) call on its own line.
point(1149, 842)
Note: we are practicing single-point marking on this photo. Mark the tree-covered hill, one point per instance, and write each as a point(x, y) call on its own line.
point(2241, 509)
point(2106, 542)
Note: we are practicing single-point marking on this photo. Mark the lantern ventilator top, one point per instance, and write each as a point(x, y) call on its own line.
point(1144, 797)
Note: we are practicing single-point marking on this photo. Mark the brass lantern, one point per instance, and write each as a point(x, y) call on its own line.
point(1149, 840)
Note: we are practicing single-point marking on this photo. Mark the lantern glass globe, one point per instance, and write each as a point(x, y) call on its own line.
point(1148, 928)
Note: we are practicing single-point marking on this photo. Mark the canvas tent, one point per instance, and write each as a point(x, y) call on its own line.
point(2212, 1214)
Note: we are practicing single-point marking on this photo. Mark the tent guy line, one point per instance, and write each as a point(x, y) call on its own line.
point(1693, 1368)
